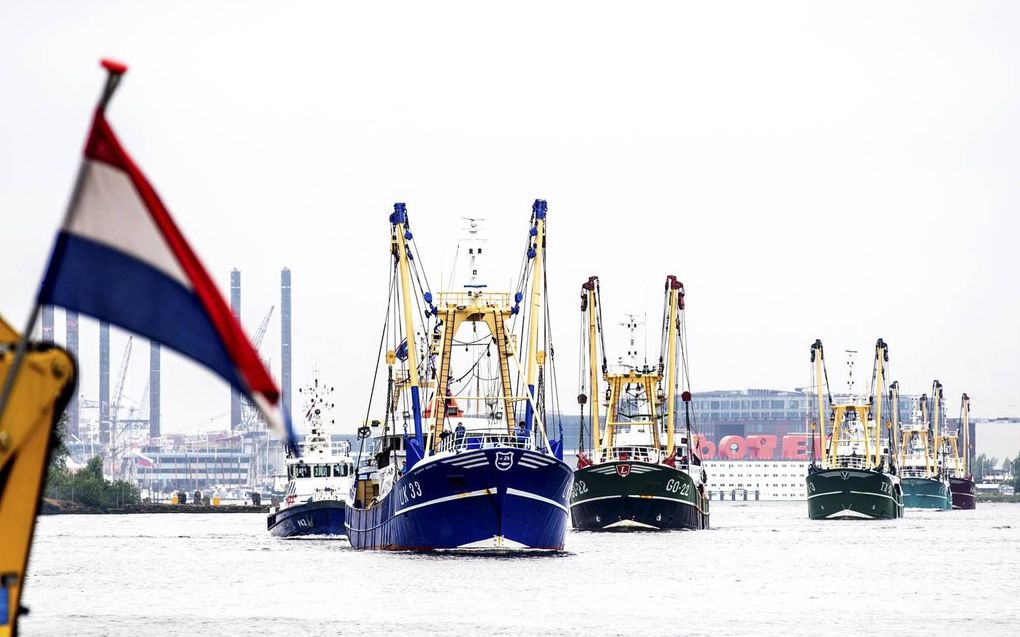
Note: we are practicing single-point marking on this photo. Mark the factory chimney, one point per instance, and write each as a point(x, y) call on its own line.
point(153, 389)
point(71, 325)
point(285, 342)
point(104, 384)
point(235, 307)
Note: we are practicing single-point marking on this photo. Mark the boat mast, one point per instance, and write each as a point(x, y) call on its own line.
point(400, 235)
point(936, 421)
point(881, 358)
point(894, 407)
point(929, 454)
point(672, 286)
point(474, 249)
point(817, 357)
point(537, 254)
point(965, 421)
point(591, 299)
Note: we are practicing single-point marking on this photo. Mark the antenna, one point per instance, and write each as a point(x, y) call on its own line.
point(850, 353)
point(632, 324)
point(474, 246)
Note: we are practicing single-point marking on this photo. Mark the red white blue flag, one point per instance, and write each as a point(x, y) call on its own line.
point(120, 257)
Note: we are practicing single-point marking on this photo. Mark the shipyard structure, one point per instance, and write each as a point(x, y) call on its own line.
point(127, 432)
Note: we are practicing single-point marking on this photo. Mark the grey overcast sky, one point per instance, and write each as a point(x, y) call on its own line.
point(843, 171)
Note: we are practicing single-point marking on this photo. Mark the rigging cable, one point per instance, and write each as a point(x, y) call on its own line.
point(378, 360)
point(582, 383)
point(551, 355)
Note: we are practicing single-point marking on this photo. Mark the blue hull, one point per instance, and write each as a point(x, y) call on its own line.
point(324, 517)
point(482, 499)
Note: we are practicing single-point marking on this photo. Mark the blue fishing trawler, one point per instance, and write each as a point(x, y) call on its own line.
point(462, 457)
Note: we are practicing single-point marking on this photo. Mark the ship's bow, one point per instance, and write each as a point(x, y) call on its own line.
point(853, 493)
point(624, 494)
point(964, 493)
point(486, 499)
point(926, 493)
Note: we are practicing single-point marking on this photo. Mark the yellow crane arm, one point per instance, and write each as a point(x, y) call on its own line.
point(44, 385)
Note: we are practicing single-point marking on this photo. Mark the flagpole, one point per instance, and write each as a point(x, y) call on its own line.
point(114, 72)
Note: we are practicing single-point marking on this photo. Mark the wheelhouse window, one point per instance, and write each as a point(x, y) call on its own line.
point(302, 471)
point(340, 470)
point(321, 470)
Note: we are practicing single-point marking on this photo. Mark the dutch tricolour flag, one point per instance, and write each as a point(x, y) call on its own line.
point(120, 258)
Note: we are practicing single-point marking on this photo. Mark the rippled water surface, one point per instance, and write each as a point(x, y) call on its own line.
point(763, 569)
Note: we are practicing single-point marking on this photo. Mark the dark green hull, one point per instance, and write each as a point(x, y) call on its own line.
point(614, 495)
point(853, 493)
point(926, 493)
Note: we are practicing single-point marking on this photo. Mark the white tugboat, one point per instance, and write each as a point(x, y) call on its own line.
point(318, 480)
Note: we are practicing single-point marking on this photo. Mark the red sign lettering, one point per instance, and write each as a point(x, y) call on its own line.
point(732, 447)
point(706, 449)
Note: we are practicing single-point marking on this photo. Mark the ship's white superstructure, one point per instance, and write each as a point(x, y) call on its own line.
point(320, 472)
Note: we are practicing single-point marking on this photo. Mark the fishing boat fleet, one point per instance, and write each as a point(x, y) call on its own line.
point(874, 468)
point(462, 448)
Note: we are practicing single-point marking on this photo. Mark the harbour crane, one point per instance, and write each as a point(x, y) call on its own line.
point(249, 413)
point(118, 393)
point(118, 396)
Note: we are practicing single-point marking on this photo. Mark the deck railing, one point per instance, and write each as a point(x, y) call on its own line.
point(467, 299)
point(483, 439)
point(851, 462)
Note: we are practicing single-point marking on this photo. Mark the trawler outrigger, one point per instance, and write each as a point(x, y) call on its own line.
point(641, 472)
point(474, 466)
point(855, 477)
point(922, 476)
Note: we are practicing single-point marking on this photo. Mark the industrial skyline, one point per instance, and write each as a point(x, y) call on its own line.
point(132, 366)
point(738, 175)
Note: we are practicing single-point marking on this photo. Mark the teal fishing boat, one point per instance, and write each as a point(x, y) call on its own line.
point(923, 478)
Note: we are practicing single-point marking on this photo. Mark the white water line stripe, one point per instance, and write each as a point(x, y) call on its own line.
point(877, 495)
point(818, 495)
point(458, 496)
point(601, 497)
point(644, 497)
point(659, 497)
point(535, 496)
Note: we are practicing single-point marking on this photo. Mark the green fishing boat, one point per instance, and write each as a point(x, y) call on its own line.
point(854, 477)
